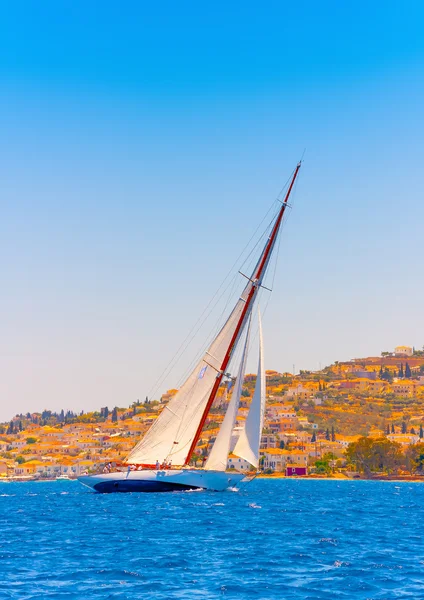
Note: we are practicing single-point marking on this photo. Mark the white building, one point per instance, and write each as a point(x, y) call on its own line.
point(237, 463)
point(403, 351)
point(303, 422)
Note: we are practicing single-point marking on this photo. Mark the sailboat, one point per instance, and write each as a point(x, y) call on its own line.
point(172, 438)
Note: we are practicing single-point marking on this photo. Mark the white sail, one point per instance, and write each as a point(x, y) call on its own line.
point(248, 444)
point(174, 431)
point(217, 459)
point(170, 436)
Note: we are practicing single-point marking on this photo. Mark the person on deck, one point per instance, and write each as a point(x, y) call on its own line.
point(157, 465)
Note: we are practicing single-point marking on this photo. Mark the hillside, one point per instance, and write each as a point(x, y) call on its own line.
point(309, 415)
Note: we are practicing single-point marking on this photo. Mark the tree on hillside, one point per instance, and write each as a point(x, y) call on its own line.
point(404, 430)
point(386, 375)
point(407, 371)
point(393, 428)
point(327, 435)
point(115, 415)
point(388, 429)
point(313, 438)
point(322, 467)
point(415, 458)
point(333, 435)
point(370, 455)
point(400, 372)
point(421, 431)
point(412, 431)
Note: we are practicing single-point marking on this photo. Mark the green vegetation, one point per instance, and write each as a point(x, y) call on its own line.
point(375, 455)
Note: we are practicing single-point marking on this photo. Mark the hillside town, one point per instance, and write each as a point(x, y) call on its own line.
point(360, 418)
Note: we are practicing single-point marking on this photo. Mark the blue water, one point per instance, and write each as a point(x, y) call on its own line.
point(273, 539)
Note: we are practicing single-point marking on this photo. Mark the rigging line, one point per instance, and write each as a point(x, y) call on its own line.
point(219, 322)
point(285, 186)
point(210, 336)
point(190, 337)
point(277, 254)
point(169, 367)
point(260, 295)
point(267, 229)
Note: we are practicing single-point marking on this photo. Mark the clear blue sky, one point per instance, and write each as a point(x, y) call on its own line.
point(140, 145)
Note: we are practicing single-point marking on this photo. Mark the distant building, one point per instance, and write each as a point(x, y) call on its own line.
point(303, 422)
point(268, 440)
point(403, 439)
point(237, 463)
point(366, 374)
point(403, 351)
point(299, 392)
point(277, 459)
point(295, 471)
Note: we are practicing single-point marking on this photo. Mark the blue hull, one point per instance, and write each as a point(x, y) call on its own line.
point(128, 485)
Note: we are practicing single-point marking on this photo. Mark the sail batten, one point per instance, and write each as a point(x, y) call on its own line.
point(248, 444)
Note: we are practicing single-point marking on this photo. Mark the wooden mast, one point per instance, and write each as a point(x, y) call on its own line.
point(256, 279)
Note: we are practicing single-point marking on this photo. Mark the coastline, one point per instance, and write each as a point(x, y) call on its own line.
point(332, 477)
point(341, 477)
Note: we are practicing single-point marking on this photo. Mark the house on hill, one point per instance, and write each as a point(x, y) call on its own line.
point(277, 459)
point(403, 351)
point(404, 388)
point(237, 463)
point(403, 439)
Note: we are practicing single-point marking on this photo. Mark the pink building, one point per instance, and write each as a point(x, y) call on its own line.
point(295, 471)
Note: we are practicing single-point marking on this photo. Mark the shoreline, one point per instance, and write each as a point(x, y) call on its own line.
point(340, 477)
point(335, 477)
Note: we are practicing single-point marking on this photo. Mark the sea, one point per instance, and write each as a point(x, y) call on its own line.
point(270, 539)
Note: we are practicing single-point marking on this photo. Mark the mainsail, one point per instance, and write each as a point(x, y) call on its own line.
point(248, 444)
point(169, 438)
point(217, 459)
